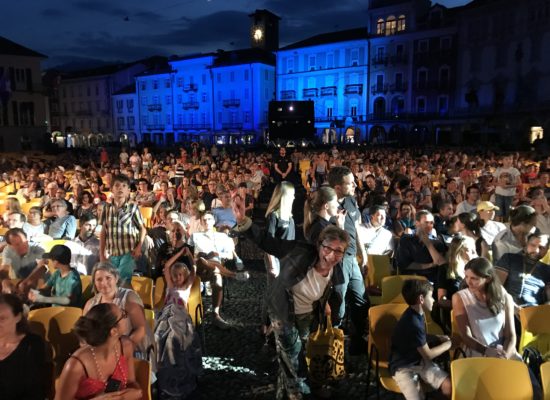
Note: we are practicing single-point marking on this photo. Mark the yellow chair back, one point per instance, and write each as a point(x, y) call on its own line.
point(47, 246)
point(545, 378)
point(490, 378)
point(194, 305)
point(144, 288)
point(535, 328)
point(55, 325)
point(87, 287)
point(147, 214)
point(392, 285)
point(150, 318)
point(143, 377)
point(159, 293)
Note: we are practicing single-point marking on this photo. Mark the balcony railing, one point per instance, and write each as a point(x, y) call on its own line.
point(190, 87)
point(154, 127)
point(328, 91)
point(190, 104)
point(379, 89)
point(353, 89)
point(232, 125)
point(310, 92)
point(154, 107)
point(232, 103)
point(192, 126)
point(288, 94)
point(399, 87)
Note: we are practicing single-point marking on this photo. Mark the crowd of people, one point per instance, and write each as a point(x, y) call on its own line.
point(475, 224)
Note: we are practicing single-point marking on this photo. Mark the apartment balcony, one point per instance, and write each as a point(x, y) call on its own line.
point(311, 92)
point(400, 87)
point(192, 126)
point(379, 89)
point(232, 125)
point(228, 103)
point(353, 89)
point(154, 127)
point(190, 104)
point(191, 87)
point(288, 94)
point(328, 91)
point(154, 107)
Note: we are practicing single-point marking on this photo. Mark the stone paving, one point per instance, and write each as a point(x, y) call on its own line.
point(237, 363)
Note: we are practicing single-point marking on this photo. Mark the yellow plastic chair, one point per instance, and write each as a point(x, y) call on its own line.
point(391, 293)
point(382, 322)
point(55, 325)
point(47, 246)
point(379, 268)
point(159, 293)
point(487, 378)
point(143, 377)
point(150, 318)
point(143, 286)
point(87, 287)
point(194, 305)
point(147, 214)
point(545, 378)
point(535, 328)
point(3, 230)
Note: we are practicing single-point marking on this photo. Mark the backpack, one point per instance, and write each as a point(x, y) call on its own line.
point(179, 356)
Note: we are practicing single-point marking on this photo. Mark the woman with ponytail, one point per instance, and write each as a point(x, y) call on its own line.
point(319, 211)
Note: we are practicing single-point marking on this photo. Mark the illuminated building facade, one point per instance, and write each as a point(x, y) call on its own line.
point(23, 105)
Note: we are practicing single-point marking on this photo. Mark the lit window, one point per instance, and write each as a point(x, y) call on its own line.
point(391, 25)
point(380, 26)
point(401, 23)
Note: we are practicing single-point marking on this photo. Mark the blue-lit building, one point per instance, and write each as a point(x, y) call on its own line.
point(332, 71)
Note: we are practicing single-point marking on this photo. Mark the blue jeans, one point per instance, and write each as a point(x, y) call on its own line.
point(504, 203)
point(125, 264)
point(353, 289)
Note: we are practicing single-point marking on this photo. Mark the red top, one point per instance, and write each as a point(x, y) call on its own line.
point(91, 387)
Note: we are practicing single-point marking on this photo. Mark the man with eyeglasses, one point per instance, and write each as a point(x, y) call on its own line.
point(299, 295)
point(61, 225)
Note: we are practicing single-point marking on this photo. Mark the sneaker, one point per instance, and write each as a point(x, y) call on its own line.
point(220, 323)
point(242, 276)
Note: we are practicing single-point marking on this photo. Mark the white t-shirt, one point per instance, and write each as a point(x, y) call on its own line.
point(513, 179)
point(309, 290)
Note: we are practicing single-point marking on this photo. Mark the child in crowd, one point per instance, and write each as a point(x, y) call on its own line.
point(410, 356)
point(179, 280)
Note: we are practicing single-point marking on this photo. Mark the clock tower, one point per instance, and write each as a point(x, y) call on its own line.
point(264, 30)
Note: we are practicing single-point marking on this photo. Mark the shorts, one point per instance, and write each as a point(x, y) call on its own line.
point(408, 379)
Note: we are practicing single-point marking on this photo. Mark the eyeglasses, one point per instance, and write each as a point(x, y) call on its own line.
point(123, 315)
point(329, 250)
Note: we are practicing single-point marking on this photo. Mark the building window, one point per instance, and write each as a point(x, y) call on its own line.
point(131, 122)
point(329, 112)
point(130, 105)
point(353, 110)
point(168, 119)
point(266, 75)
point(119, 106)
point(311, 63)
point(422, 78)
point(380, 26)
point(421, 104)
point(391, 25)
point(167, 83)
point(401, 23)
point(423, 46)
point(445, 43)
point(443, 104)
point(330, 60)
point(245, 74)
point(143, 85)
point(155, 84)
point(203, 97)
point(120, 122)
point(180, 82)
point(444, 76)
point(290, 65)
point(354, 58)
point(168, 100)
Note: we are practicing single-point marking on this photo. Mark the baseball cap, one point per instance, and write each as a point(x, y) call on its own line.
point(486, 206)
point(60, 253)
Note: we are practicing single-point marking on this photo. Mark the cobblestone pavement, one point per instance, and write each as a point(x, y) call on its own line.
point(237, 363)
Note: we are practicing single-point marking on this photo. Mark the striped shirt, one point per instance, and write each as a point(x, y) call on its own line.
point(122, 228)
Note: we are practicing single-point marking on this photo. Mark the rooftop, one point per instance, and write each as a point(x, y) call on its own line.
point(330, 37)
point(13, 49)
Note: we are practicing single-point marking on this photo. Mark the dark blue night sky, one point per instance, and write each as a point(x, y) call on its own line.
point(90, 31)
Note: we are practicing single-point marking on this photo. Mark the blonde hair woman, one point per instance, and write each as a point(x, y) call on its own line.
point(280, 224)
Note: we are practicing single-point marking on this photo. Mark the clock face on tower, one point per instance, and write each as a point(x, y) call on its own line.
point(258, 34)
